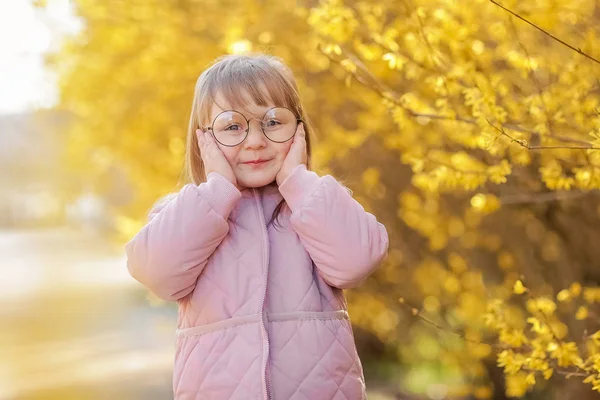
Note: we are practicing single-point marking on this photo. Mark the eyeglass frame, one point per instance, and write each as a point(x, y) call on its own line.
point(210, 128)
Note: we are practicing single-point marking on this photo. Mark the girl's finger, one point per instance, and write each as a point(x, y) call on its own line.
point(209, 138)
point(210, 141)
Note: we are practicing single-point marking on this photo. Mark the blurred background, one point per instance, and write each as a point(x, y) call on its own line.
point(471, 129)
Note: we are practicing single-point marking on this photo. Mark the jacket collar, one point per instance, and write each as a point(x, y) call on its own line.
point(268, 189)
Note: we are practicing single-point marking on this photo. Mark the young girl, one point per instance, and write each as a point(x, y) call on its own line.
point(257, 249)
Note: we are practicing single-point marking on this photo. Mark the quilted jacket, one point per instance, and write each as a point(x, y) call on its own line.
point(262, 314)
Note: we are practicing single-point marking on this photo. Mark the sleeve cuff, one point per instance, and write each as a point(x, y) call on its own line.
point(298, 185)
point(220, 194)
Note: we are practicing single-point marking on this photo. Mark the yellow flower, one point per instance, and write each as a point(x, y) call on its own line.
point(591, 295)
point(519, 288)
point(541, 304)
point(480, 350)
point(548, 373)
point(516, 385)
point(512, 362)
point(485, 203)
point(539, 348)
point(513, 337)
point(566, 354)
point(594, 380)
point(538, 326)
point(589, 379)
point(575, 289)
point(582, 313)
point(530, 379)
point(564, 295)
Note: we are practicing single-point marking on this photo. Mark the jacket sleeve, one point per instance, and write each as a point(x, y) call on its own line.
point(345, 242)
point(168, 254)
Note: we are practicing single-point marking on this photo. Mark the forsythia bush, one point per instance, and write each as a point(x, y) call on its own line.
point(473, 128)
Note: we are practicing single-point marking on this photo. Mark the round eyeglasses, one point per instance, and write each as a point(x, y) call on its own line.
point(231, 128)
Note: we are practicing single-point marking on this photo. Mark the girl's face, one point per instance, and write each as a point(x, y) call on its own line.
point(256, 146)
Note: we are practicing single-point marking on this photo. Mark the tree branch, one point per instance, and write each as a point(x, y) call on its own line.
point(537, 198)
point(388, 94)
point(523, 143)
point(578, 50)
point(417, 313)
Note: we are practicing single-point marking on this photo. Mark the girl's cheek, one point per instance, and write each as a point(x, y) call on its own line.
point(288, 146)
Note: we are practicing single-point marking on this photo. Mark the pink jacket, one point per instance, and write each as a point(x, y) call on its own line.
point(262, 314)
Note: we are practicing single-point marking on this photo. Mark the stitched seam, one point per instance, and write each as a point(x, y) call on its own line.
point(342, 317)
point(335, 336)
point(240, 384)
point(207, 277)
point(212, 367)
point(212, 350)
point(339, 387)
point(309, 319)
point(294, 315)
point(187, 358)
point(305, 294)
point(345, 376)
point(219, 330)
point(280, 371)
point(313, 368)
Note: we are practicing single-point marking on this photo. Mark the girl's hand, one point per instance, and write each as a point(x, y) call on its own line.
point(213, 158)
point(295, 156)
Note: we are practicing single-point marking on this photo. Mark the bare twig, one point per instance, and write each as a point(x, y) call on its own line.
point(534, 77)
point(559, 371)
point(541, 197)
point(578, 50)
point(417, 313)
point(523, 143)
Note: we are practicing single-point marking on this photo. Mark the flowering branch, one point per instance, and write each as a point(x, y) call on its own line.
point(388, 94)
point(523, 143)
point(578, 50)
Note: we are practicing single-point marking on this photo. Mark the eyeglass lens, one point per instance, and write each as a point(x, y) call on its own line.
point(278, 124)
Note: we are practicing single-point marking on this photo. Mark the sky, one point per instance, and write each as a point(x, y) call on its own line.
point(25, 34)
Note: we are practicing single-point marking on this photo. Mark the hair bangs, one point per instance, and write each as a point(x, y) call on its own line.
point(244, 83)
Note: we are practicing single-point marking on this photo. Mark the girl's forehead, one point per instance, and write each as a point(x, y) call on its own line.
point(242, 103)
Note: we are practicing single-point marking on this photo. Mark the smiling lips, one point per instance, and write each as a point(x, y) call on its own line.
point(256, 163)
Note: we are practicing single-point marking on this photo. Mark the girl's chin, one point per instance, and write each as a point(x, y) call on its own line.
point(256, 181)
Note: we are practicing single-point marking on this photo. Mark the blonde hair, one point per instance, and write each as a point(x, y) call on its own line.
point(264, 77)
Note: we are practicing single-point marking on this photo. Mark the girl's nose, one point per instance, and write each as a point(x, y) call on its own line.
point(256, 138)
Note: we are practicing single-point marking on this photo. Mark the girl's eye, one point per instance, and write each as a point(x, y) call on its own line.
point(272, 122)
point(232, 126)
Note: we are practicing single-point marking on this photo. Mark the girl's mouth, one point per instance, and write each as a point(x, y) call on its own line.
point(256, 163)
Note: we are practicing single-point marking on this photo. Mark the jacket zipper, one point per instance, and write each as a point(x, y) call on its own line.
point(266, 385)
